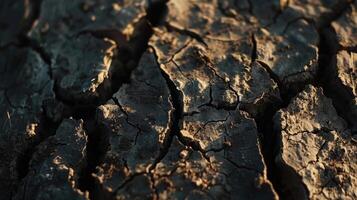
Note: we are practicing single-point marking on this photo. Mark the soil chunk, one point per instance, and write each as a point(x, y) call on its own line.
point(316, 148)
point(55, 166)
point(24, 86)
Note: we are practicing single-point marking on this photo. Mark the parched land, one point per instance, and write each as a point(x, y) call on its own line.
point(178, 99)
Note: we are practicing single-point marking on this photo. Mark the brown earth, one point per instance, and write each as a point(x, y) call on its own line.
point(178, 99)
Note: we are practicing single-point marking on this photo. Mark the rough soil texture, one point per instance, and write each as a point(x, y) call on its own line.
point(315, 144)
point(178, 99)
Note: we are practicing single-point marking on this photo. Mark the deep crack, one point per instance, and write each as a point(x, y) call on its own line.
point(97, 146)
point(174, 118)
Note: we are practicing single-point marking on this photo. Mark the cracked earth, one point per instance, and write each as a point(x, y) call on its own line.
point(178, 99)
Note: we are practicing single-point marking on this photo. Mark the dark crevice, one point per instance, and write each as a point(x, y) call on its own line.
point(48, 127)
point(286, 181)
point(269, 138)
point(96, 147)
point(128, 58)
point(129, 51)
point(290, 184)
point(342, 97)
point(285, 94)
point(156, 12)
point(177, 103)
point(253, 55)
point(327, 78)
point(176, 99)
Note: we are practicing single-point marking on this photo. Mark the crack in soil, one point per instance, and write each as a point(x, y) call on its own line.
point(328, 79)
point(327, 50)
point(97, 143)
point(176, 116)
point(96, 146)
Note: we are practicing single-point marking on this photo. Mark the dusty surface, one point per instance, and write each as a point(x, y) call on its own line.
point(316, 144)
point(178, 99)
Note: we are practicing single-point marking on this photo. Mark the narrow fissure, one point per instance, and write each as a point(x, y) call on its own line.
point(130, 55)
point(177, 102)
point(253, 55)
point(328, 78)
point(96, 147)
point(286, 181)
point(270, 140)
point(176, 116)
point(285, 93)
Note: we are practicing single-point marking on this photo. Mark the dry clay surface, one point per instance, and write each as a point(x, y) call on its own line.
point(178, 99)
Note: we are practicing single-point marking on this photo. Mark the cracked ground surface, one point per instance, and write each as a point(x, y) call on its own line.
point(178, 99)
